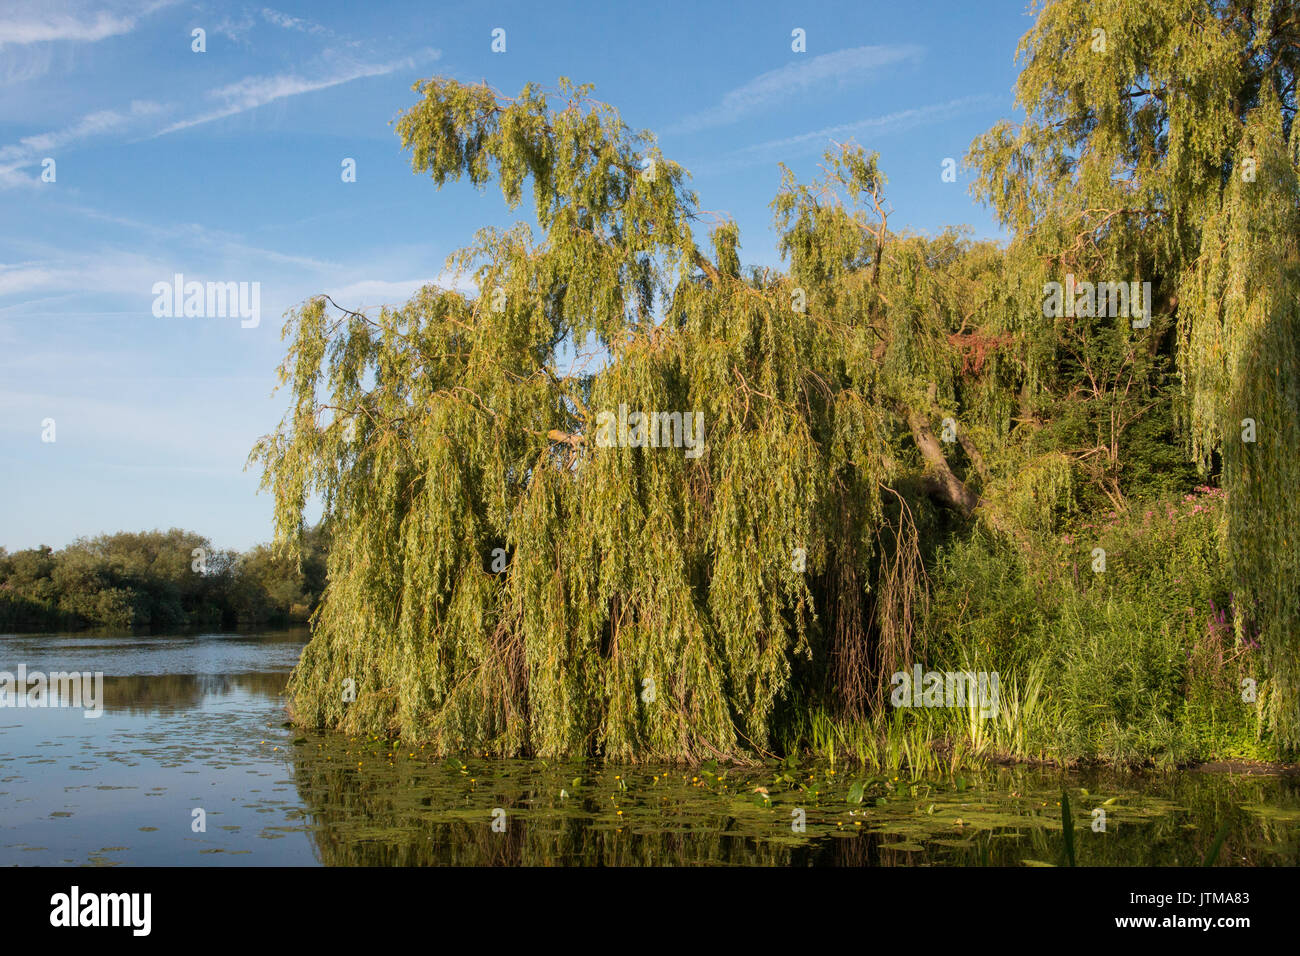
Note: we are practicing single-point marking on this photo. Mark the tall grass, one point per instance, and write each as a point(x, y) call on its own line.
point(1139, 664)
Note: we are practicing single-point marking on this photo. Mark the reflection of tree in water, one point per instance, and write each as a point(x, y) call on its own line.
point(1207, 801)
point(418, 818)
point(420, 814)
point(1183, 837)
point(146, 693)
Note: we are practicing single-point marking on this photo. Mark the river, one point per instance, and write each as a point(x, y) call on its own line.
point(192, 762)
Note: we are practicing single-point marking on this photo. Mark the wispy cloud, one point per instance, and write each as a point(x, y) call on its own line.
point(212, 240)
point(90, 125)
point(43, 27)
point(31, 31)
point(235, 27)
point(31, 149)
point(24, 277)
point(841, 68)
point(889, 122)
point(105, 269)
point(119, 274)
point(23, 64)
point(26, 22)
point(370, 293)
point(101, 272)
point(254, 91)
point(238, 27)
point(294, 23)
point(775, 150)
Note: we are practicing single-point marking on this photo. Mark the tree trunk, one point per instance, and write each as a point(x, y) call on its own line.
point(940, 481)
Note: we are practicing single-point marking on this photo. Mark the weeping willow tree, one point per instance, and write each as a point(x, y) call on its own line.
point(1241, 352)
point(624, 499)
point(1160, 145)
point(629, 498)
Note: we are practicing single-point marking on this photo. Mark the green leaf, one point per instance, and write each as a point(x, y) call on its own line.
point(1067, 828)
point(1213, 853)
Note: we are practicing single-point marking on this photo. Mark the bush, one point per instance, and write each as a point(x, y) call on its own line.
point(148, 580)
point(1140, 662)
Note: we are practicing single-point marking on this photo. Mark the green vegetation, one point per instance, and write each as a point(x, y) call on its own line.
point(909, 458)
point(157, 580)
point(369, 803)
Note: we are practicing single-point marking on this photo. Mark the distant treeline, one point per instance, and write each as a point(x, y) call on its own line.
point(157, 579)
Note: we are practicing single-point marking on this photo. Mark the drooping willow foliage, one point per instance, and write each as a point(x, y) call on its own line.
point(1161, 145)
point(510, 573)
point(500, 581)
point(1241, 345)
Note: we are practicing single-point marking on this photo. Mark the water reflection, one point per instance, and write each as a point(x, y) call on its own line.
point(190, 721)
point(197, 721)
point(368, 810)
point(144, 694)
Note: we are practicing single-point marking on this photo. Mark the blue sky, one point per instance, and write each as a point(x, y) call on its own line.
point(225, 166)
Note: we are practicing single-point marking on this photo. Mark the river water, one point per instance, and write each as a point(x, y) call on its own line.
point(192, 762)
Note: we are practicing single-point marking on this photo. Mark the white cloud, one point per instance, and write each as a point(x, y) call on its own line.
point(23, 64)
point(293, 23)
point(31, 31)
point(110, 278)
point(890, 122)
point(371, 293)
point(99, 273)
point(90, 125)
point(25, 277)
point(31, 149)
point(44, 27)
point(235, 27)
point(254, 91)
point(775, 150)
point(11, 178)
point(842, 68)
